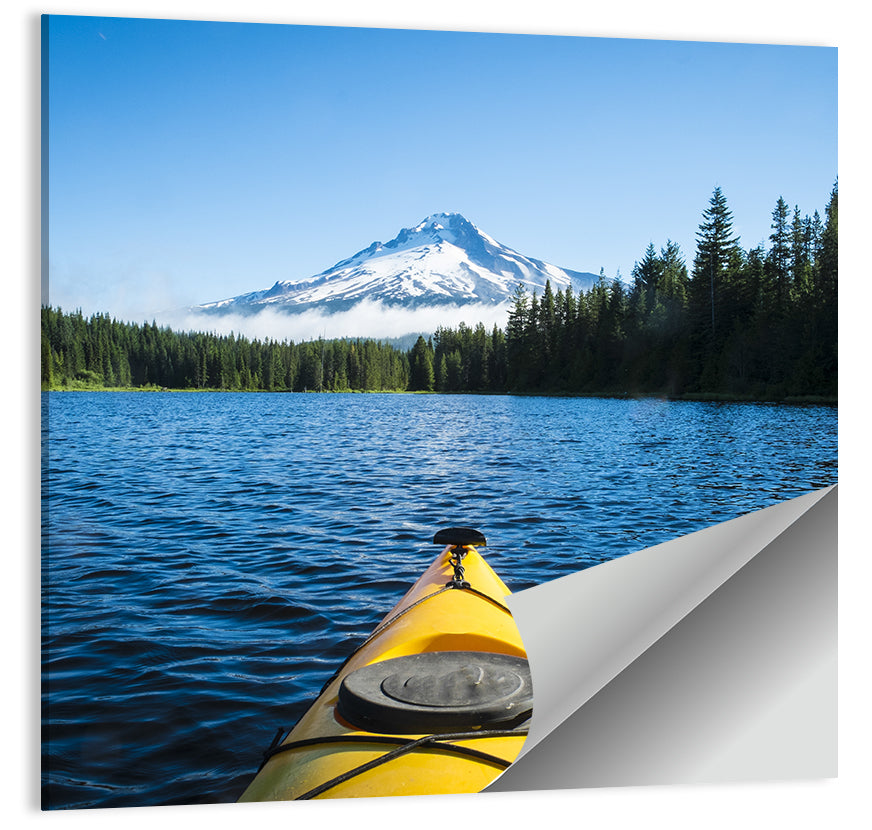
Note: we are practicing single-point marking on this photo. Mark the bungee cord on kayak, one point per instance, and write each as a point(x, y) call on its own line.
point(429, 741)
point(375, 633)
point(403, 746)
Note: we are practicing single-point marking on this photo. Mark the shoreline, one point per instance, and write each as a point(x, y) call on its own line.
point(698, 397)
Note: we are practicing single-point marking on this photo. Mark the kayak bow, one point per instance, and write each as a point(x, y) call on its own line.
point(435, 701)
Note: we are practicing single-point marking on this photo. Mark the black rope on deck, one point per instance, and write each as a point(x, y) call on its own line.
point(403, 747)
point(387, 623)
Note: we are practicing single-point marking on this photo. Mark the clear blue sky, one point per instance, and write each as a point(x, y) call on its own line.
point(193, 161)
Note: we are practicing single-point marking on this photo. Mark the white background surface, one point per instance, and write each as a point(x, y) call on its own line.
point(834, 803)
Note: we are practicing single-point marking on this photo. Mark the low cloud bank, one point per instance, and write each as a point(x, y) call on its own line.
point(367, 319)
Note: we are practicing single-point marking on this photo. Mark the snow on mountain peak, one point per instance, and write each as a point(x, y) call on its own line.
point(444, 259)
point(440, 221)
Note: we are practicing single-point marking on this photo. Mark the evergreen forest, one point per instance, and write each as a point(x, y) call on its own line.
point(734, 323)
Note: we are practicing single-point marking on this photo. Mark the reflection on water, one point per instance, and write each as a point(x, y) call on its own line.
point(209, 559)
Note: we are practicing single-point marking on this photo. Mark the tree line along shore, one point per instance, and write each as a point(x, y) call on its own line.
point(757, 324)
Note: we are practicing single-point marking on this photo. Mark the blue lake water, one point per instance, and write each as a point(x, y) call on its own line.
point(210, 559)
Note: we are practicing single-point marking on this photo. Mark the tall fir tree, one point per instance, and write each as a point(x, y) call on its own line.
point(647, 274)
point(422, 375)
point(517, 349)
point(716, 253)
point(779, 255)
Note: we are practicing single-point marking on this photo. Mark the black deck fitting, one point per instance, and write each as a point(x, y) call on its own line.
point(459, 536)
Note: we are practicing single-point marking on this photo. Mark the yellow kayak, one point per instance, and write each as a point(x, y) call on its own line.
point(435, 701)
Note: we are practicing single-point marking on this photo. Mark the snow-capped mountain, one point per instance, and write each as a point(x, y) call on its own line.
point(444, 260)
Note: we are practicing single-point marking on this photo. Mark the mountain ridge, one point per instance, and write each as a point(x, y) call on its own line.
point(443, 260)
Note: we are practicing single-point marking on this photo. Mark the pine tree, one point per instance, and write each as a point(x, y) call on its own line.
point(779, 254)
point(422, 377)
point(46, 375)
point(829, 249)
point(497, 370)
point(673, 278)
point(717, 250)
point(800, 253)
point(517, 345)
point(828, 291)
point(647, 274)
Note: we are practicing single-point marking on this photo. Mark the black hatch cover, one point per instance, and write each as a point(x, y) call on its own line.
point(443, 691)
